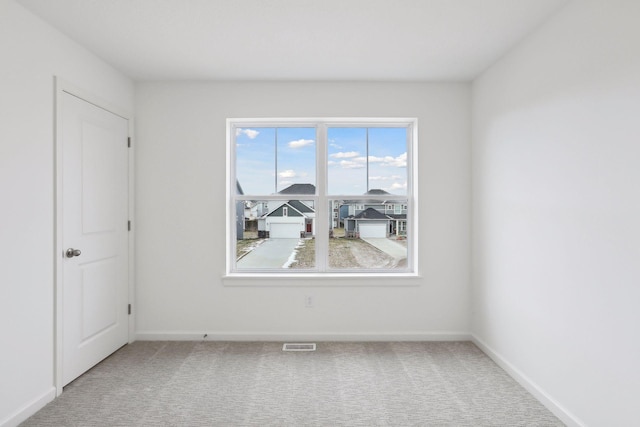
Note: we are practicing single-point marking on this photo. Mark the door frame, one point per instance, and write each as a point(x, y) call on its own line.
point(60, 88)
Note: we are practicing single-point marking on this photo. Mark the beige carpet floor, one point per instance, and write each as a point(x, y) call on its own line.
point(256, 384)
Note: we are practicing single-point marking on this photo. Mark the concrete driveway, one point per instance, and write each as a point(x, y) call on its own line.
point(396, 250)
point(272, 253)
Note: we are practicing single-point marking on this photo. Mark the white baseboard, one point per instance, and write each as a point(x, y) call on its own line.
point(549, 402)
point(29, 409)
point(285, 336)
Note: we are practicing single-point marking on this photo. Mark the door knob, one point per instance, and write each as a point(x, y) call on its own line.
point(70, 253)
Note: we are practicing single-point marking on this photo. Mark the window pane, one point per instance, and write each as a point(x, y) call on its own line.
point(368, 234)
point(296, 166)
point(276, 234)
point(388, 160)
point(270, 160)
point(256, 159)
point(347, 166)
point(367, 161)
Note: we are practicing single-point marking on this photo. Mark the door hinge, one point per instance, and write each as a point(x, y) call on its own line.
point(128, 225)
point(129, 309)
point(129, 141)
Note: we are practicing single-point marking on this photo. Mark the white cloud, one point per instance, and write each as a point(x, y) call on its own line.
point(344, 155)
point(289, 173)
point(398, 186)
point(399, 162)
point(300, 143)
point(356, 161)
point(348, 164)
point(385, 178)
point(251, 133)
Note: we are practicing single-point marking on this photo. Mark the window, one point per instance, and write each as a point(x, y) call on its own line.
point(321, 196)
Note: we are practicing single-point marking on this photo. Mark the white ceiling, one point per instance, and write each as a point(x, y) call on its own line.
point(386, 40)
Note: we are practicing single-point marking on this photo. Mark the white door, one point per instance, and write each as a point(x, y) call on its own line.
point(373, 230)
point(285, 230)
point(94, 197)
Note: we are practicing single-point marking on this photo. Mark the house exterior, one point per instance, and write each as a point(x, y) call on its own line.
point(366, 218)
point(292, 219)
point(335, 214)
point(240, 214)
point(260, 214)
point(254, 210)
point(296, 218)
point(375, 223)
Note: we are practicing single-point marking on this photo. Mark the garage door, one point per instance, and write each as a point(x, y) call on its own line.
point(285, 231)
point(373, 230)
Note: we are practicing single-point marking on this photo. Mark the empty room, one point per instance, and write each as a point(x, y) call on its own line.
point(320, 212)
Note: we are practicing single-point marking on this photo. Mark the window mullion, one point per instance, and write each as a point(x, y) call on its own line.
point(322, 211)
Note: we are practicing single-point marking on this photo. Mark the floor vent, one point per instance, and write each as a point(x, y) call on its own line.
point(299, 347)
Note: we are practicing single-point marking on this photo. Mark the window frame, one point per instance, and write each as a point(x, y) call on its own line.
point(323, 202)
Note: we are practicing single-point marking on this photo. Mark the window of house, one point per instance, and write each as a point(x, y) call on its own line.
point(328, 196)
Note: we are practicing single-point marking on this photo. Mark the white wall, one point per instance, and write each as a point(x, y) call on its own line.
point(180, 221)
point(31, 53)
point(556, 211)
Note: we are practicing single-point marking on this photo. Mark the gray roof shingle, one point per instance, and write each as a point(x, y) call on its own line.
point(370, 213)
point(299, 189)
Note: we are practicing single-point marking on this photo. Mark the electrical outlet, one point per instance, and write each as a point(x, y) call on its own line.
point(308, 301)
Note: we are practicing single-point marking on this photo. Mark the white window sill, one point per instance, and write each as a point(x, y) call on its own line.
point(312, 279)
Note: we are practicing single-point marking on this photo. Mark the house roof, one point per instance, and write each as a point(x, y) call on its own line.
point(296, 205)
point(300, 206)
point(370, 213)
point(376, 191)
point(372, 192)
point(299, 189)
point(397, 216)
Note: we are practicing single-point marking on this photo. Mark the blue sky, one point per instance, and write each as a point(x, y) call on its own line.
point(387, 160)
point(259, 173)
